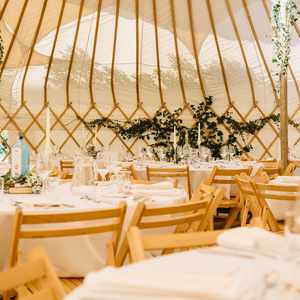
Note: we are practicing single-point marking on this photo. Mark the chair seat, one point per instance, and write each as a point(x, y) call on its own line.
point(229, 203)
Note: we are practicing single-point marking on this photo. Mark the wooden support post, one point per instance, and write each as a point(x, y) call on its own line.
point(284, 145)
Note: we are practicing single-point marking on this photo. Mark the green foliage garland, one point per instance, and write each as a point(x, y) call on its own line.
point(282, 36)
point(158, 130)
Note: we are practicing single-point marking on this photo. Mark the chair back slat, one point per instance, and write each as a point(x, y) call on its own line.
point(37, 269)
point(66, 224)
point(191, 215)
point(176, 173)
point(12, 277)
point(57, 232)
point(174, 221)
point(278, 191)
point(174, 209)
point(66, 164)
point(71, 217)
point(226, 176)
point(140, 243)
point(265, 192)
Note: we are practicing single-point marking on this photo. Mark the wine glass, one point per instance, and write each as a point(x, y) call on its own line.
point(102, 169)
point(43, 170)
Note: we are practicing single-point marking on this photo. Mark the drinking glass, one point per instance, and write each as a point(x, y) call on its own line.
point(43, 170)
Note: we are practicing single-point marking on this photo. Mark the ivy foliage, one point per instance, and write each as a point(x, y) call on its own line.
point(281, 37)
point(158, 131)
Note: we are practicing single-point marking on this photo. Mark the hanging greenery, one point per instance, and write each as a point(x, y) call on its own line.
point(284, 16)
point(158, 130)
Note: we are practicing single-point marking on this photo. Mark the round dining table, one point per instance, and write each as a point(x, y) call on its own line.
point(76, 256)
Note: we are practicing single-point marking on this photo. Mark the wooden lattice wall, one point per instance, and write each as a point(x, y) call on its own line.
point(202, 36)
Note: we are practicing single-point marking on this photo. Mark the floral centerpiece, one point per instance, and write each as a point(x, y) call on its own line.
point(29, 181)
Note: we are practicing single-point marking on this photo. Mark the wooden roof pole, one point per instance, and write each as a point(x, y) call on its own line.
point(284, 142)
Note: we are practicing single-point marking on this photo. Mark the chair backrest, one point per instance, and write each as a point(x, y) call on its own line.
point(267, 192)
point(36, 270)
point(226, 176)
point(91, 222)
point(290, 169)
point(176, 173)
point(249, 200)
point(139, 243)
point(271, 167)
point(66, 168)
point(192, 215)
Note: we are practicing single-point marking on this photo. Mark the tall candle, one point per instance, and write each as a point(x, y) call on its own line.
point(175, 138)
point(47, 134)
point(199, 135)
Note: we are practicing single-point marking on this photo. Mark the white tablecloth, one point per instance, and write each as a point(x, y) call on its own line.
point(71, 256)
point(218, 273)
point(279, 208)
point(199, 172)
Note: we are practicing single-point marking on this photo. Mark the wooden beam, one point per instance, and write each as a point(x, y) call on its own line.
point(284, 144)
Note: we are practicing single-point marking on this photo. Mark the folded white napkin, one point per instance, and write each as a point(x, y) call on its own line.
point(255, 240)
point(163, 185)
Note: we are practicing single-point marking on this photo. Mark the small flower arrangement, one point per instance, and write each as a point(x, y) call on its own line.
point(31, 180)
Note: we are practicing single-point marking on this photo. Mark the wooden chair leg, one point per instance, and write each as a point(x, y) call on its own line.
point(244, 215)
point(233, 214)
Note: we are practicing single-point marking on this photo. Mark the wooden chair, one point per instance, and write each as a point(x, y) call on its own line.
point(192, 215)
point(271, 167)
point(290, 169)
point(249, 200)
point(139, 243)
point(66, 167)
point(34, 279)
point(226, 177)
point(265, 192)
point(175, 173)
point(113, 219)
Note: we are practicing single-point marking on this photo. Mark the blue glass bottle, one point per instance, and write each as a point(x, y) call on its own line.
point(20, 158)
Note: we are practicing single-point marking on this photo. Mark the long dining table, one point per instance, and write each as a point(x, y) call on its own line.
point(76, 256)
point(247, 263)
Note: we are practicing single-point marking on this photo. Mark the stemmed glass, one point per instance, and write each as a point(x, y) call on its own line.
point(43, 170)
point(102, 168)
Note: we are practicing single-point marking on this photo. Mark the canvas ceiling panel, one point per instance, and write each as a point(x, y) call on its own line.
point(169, 68)
point(187, 61)
point(101, 83)
point(49, 19)
point(126, 61)
point(148, 75)
point(81, 64)
point(60, 69)
point(26, 19)
point(234, 63)
point(212, 75)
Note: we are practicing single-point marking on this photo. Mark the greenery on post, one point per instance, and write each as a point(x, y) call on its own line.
point(283, 18)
